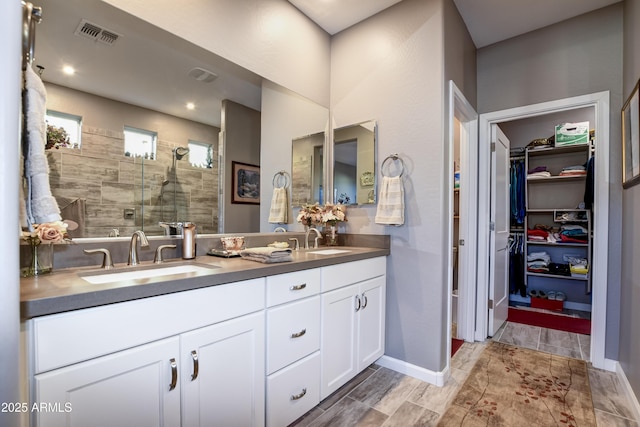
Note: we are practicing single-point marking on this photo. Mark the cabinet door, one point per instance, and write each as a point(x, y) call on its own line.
point(371, 321)
point(128, 388)
point(338, 345)
point(228, 389)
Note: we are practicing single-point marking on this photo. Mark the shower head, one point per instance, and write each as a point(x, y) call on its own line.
point(180, 152)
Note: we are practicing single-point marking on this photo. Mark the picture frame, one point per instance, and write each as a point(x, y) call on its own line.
point(245, 187)
point(631, 139)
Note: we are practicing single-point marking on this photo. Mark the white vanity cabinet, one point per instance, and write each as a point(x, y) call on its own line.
point(132, 363)
point(293, 344)
point(353, 320)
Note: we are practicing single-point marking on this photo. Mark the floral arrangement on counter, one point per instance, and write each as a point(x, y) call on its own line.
point(329, 214)
point(48, 232)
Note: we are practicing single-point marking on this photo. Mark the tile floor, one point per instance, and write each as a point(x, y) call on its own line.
point(380, 397)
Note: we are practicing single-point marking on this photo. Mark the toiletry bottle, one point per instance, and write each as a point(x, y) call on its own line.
point(188, 240)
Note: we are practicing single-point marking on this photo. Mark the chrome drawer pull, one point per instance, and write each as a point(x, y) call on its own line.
point(299, 396)
point(359, 306)
point(364, 304)
point(298, 287)
point(196, 365)
point(174, 374)
point(299, 334)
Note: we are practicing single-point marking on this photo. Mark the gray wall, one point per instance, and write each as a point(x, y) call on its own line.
point(575, 57)
point(390, 68)
point(629, 352)
point(241, 130)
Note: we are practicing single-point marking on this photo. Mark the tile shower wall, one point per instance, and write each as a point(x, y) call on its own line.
point(100, 177)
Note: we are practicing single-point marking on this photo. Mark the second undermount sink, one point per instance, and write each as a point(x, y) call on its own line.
point(329, 251)
point(116, 276)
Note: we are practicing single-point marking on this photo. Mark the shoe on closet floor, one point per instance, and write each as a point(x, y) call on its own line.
point(537, 294)
point(560, 296)
point(551, 295)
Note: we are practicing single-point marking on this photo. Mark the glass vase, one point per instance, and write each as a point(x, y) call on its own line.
point(36, 260)
point(331, 235)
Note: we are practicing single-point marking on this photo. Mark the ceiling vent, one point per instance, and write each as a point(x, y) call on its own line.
point(202, 75)
point(96, 33)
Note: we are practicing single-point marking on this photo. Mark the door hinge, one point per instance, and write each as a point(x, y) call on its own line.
point(461, 242)
point(493, 147)
point(490, 304)
point(492, 226)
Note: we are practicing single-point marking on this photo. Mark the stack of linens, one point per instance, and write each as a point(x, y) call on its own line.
point(267, 255)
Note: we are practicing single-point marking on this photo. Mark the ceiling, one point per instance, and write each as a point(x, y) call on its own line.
point(488, 21)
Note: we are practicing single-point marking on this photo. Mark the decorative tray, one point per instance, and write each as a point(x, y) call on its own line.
point(223, 253)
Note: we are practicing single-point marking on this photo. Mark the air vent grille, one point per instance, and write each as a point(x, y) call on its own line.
point(202, 75)
point(97, 33)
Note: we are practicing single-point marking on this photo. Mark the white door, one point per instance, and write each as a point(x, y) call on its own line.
point(136, 387)
point(223, 374)
point(499, 240)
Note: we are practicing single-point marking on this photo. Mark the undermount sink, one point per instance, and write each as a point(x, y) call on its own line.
point(115, 276)
point(329, 251)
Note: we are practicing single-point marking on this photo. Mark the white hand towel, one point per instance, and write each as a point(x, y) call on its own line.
point(41, 205)
point(278, 214)
point(267, 255)
point(391, 201)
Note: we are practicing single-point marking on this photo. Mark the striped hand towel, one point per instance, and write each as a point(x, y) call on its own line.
point(278, 214)
point(391, 202)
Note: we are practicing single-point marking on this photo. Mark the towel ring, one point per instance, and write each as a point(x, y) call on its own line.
point(281, 177)
point(393, 157)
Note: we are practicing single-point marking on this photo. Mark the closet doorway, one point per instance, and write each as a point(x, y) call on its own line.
point(597, 105)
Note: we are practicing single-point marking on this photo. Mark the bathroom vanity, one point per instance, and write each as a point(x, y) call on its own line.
point(233, 342)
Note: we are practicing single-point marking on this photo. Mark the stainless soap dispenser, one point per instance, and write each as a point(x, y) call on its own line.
point(188, 240)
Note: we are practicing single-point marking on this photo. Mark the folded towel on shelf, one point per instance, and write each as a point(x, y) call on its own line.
point(539, 175)
point(267, 255)
point(41, 206)
point(278, 213)
point(391, 201)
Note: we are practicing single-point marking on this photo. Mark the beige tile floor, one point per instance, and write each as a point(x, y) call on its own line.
point(380, 397)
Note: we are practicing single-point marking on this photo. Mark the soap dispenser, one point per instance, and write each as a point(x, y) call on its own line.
point(188, 240)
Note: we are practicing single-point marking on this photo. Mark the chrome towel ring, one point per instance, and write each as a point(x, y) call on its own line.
point(393, 157)
point(281, 179)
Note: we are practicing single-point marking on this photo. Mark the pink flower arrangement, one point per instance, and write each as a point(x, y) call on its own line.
point(48, 232)
point(317, 215)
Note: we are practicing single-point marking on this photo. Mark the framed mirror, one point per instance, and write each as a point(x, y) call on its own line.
point(354, 164)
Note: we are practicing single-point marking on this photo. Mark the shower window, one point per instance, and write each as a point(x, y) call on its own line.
point(200, 154)
point(71, 124)
point(139, 143)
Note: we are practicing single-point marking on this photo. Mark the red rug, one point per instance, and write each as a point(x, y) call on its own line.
point(455, 345)
point(551, 321)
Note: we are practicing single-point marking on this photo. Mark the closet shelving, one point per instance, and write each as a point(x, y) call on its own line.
point(554, 201)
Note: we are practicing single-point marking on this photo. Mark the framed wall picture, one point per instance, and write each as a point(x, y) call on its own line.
point(631, 139)
point(245, 183)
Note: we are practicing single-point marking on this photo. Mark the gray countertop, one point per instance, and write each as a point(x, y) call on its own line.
point(65, 290)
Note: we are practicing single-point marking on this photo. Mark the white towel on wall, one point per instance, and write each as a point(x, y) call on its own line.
point(279, 211)
point(41, 205)
point(391, 202)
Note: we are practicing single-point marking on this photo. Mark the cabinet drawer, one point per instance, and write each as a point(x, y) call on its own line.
point(293, 331)
point(292, 286)
point(293, 391)
point(337, 276)
point(67, 338)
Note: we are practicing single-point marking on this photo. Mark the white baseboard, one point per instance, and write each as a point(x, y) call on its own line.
point(633, 399)
point(432, 377)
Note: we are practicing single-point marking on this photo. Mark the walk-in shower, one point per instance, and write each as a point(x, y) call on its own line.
point(178, 154)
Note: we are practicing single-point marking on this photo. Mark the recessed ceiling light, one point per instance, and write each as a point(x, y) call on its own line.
point(68, 70)
point(191, 106)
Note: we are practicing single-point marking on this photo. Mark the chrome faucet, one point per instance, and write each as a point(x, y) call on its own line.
point(133, 246)
point(306, 238)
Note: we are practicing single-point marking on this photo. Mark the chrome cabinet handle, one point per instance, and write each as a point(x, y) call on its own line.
point(300, 395)
point(359, 305)
point(196, 365)
point(174, 374)
point(299, 334)
point(298, 287)
point(364, 297)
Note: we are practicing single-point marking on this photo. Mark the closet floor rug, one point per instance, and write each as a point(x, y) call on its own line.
point(455, 345)
point(552, 321)
point(513, 386)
